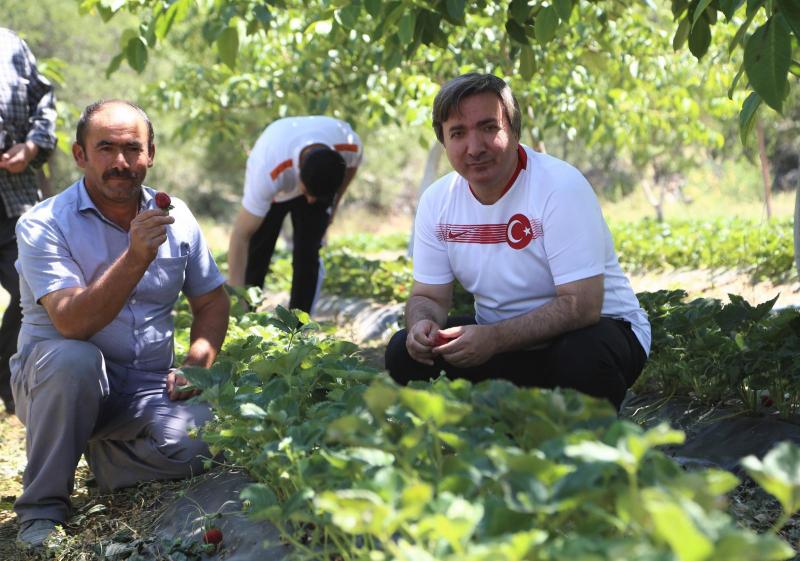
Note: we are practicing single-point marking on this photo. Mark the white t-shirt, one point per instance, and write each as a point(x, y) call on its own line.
point(272, 167)
point(546, 230)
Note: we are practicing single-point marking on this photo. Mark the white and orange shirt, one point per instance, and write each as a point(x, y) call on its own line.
point(546, 230)
point(272, 168)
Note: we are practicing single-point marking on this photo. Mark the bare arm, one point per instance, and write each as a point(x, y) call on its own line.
point(426, 313)
point(209, 326)
point(576, 304)
point(79, 313)
point(244, 227)
point(349, 174)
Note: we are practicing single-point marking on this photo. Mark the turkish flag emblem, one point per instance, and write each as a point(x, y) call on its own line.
point(519, 232)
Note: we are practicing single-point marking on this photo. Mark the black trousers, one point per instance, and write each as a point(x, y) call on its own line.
point(12, 318)
point(602, 360)
point(309, 222)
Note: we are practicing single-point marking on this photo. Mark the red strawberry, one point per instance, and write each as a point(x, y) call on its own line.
point(213, 536)
point(163, 201)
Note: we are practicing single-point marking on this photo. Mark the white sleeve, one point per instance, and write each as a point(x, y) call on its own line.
point(431, 261)
point(259, 188)
point(574, 230)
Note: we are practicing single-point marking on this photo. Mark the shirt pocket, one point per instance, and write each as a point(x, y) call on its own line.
point(163, 280)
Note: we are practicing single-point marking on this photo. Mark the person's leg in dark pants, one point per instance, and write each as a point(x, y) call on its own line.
point(310, 222)
point(12, 318)
point(262, 245)
point(601, 360)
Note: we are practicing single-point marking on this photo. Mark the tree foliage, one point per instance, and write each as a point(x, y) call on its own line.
point(376, 62)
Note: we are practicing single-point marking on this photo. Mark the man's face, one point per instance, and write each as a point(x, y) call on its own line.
point(116, 154)
point(480, 144)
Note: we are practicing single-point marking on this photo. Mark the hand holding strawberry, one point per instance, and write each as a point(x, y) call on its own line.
point(163, 201)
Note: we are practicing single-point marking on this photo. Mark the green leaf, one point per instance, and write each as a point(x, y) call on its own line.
point(373, 7)
point(527, 63)
point(263, 15)
point(252, 411)
point(681, 34)
point(790, 9)
point(136, 54)
point(753, 6)
point(674, 525)
point(174, 14)
point(228, 46)
point(262, 500)
point(735, 81)
point(113, 66)
point(778, 474)
point(546, 25)
point(455, 9)
point(519, 10)
point(405, 31)
point(700, 38)
point(729, 7)
point(767, 57)
point(700, 10)
point(563, 8)
point(430, 406)
point(348, 16)
point(747, 116)
point(516, 32)
point(738, 37)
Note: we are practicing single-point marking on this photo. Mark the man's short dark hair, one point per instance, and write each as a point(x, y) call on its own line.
point(92, 108)
point(456, 90)
point(322, 172)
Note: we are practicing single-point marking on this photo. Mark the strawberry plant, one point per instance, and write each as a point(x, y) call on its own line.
point(351, 466)
point(716, 351)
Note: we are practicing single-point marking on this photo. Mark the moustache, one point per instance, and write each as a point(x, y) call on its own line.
point(120, 173)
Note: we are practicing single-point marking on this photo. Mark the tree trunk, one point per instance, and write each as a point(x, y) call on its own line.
point(762, 154)
point(656, 202)
point(428, 177)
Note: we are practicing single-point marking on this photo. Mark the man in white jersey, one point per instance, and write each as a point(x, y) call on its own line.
point(299, 166)
point(524, 234)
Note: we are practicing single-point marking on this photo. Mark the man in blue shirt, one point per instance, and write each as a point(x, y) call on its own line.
point(27, 137)
point(101, 268)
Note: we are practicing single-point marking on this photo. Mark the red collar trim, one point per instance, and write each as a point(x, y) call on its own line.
point(522, 163)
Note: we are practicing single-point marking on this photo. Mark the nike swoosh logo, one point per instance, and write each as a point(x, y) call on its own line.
point(452, 236)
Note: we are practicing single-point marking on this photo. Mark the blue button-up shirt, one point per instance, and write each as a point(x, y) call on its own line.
point(66, 242)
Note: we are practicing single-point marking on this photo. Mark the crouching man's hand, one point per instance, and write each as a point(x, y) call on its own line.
point(176, 383)
point(465, 345)
point(421, 339)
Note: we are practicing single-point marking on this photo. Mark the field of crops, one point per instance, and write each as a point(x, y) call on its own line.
point(351, 466)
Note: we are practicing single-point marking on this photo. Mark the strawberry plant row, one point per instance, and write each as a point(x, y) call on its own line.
point(351, 466)
point(715, 351)
point(764, 251)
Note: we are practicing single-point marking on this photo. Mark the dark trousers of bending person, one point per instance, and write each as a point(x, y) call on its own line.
point(309, 224)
